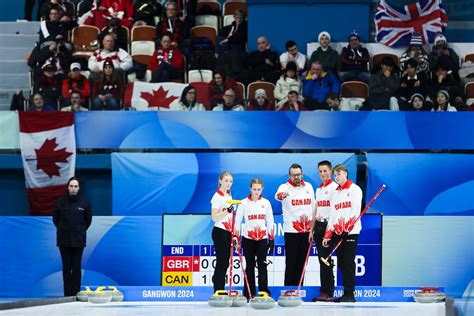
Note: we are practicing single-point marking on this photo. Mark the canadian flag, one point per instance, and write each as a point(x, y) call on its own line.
point(146, 96)
point(48, 151)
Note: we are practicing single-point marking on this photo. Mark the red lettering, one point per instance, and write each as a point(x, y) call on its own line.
point(324, 203)
point(346, 204)
point(301, 202)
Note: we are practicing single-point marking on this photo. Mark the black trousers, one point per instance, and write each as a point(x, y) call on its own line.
point(71, 258)
point(165, 73)
point(259, 249)
point(29, 5)
point(296, 247)
point(345, 260)
point(325, 273)
point(221, 239)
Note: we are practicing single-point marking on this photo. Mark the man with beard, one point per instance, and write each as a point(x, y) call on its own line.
point(72, 217)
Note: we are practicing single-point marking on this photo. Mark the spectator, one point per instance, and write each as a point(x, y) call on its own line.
point(442, 102)
point(354, 60)
point(108, 9)
point(261, 102)
point(443, 79)
point(412, 83)
point(167, 62)
point(58, 51)
point(120, 58)
point(38, 104)
point(292, 54)
point(51, 28)
point(65, 13)
point(333, 102)
point(417, 102)
point(293, 103)
point(263, 63)
point(171, 24)
point(441, 49)
point(383, 86)
point(119, 33)
point(188, 101)
point(147, 11)
point(108, 91)
point(289, 81)
point(229, 103)
point(317, 84)
point(219, 84)
point(327, 56)
point(76, 101)
point(416, 52)
point(75, 82)
point(49, 83)
point(234, 35)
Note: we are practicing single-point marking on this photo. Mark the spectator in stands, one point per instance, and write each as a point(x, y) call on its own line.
point(147, 11)
point(441, 49)
point(333, 102)
point(412, 83)
point(234, 36)
point(317, 84)
point(108, 91)
point(416, 52)
point(443, 79)
point(327, 56)
point(263, 63)
point(49, 84)
point(261, 102)
point(167, 62)
point(354, 60)
point(38, 104)
point(293, 103)
point(383, 86)
point(57, 51)
point(442, 102)
point(292, 54)
point(76, 103)
point(119, 33)
point(120, 58)
point(66, 13)
point(51, 28)
point(75, 81)
point(229, 103)
point(417, 102)
point(289, 81)
point(29, 6)
point(171, 24)
point(219, 84)
point(188, 101)
point(107, 9)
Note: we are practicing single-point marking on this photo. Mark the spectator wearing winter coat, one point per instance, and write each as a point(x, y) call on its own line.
point(108, 91)
point(326, 56)
point(263, 63)
point(167, 62)
point(416, 52)
point(219, 84)
point(354, 60)
point(289, 81)
point(317, 84)
point(383, 86)
point(441, 49)
point(75, 82)
point(261, 102)
point(188, 101)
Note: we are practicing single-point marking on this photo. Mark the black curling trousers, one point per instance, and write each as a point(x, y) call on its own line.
point(252, 249)
point(346, 262)
point(296, 247)
point(221, 239)
point(71, 258)
point(325, 273)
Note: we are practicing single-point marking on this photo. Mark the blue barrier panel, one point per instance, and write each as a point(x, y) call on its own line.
point(154, 183)
point(275, 130)
point(422, 184)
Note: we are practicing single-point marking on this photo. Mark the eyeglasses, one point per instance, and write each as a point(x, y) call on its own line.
point(295, 175)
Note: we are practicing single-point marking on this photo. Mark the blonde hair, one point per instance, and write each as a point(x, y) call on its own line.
point(340, 167)
point(256, 181)
point(222, 175)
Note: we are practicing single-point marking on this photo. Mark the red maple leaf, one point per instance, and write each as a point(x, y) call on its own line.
point(228, 225)
point(339, 226)
point(350, 224)
point(257, 233)
point(158, 98)
point(303, 225)
point(272, 234)
point(47, 157)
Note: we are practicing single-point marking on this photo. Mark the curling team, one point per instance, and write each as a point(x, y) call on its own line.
point(324, 216)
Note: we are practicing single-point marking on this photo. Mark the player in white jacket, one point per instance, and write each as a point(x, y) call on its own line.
point(297, 199)
point(324, 194)
point(221, 233)
point(258, 235)
point(345, 208)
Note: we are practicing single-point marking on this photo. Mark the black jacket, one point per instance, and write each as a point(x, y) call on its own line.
point(72, 218)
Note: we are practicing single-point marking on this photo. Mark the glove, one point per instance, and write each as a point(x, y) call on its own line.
point(230, 209)
point(271, 246)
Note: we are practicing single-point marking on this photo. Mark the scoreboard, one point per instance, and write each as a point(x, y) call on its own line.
point(188, 257)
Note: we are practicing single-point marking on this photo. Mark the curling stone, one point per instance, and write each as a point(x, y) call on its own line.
point(237, 299)
point(290, 298)
point(117, 296)
point(429, 295)
point(220, 299)
point(100, 296)
point(262, 301)
point(83, 296)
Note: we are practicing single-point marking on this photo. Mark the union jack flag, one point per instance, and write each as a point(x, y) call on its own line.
point(394, 25)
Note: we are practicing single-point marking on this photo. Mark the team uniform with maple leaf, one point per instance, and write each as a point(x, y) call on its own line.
point(345, 208)
point(297, 210)
point(258, 237)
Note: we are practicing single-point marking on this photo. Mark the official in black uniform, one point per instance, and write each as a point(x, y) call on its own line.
point(72, 217)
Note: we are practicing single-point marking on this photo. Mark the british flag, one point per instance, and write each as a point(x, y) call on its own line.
point(394, 25)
